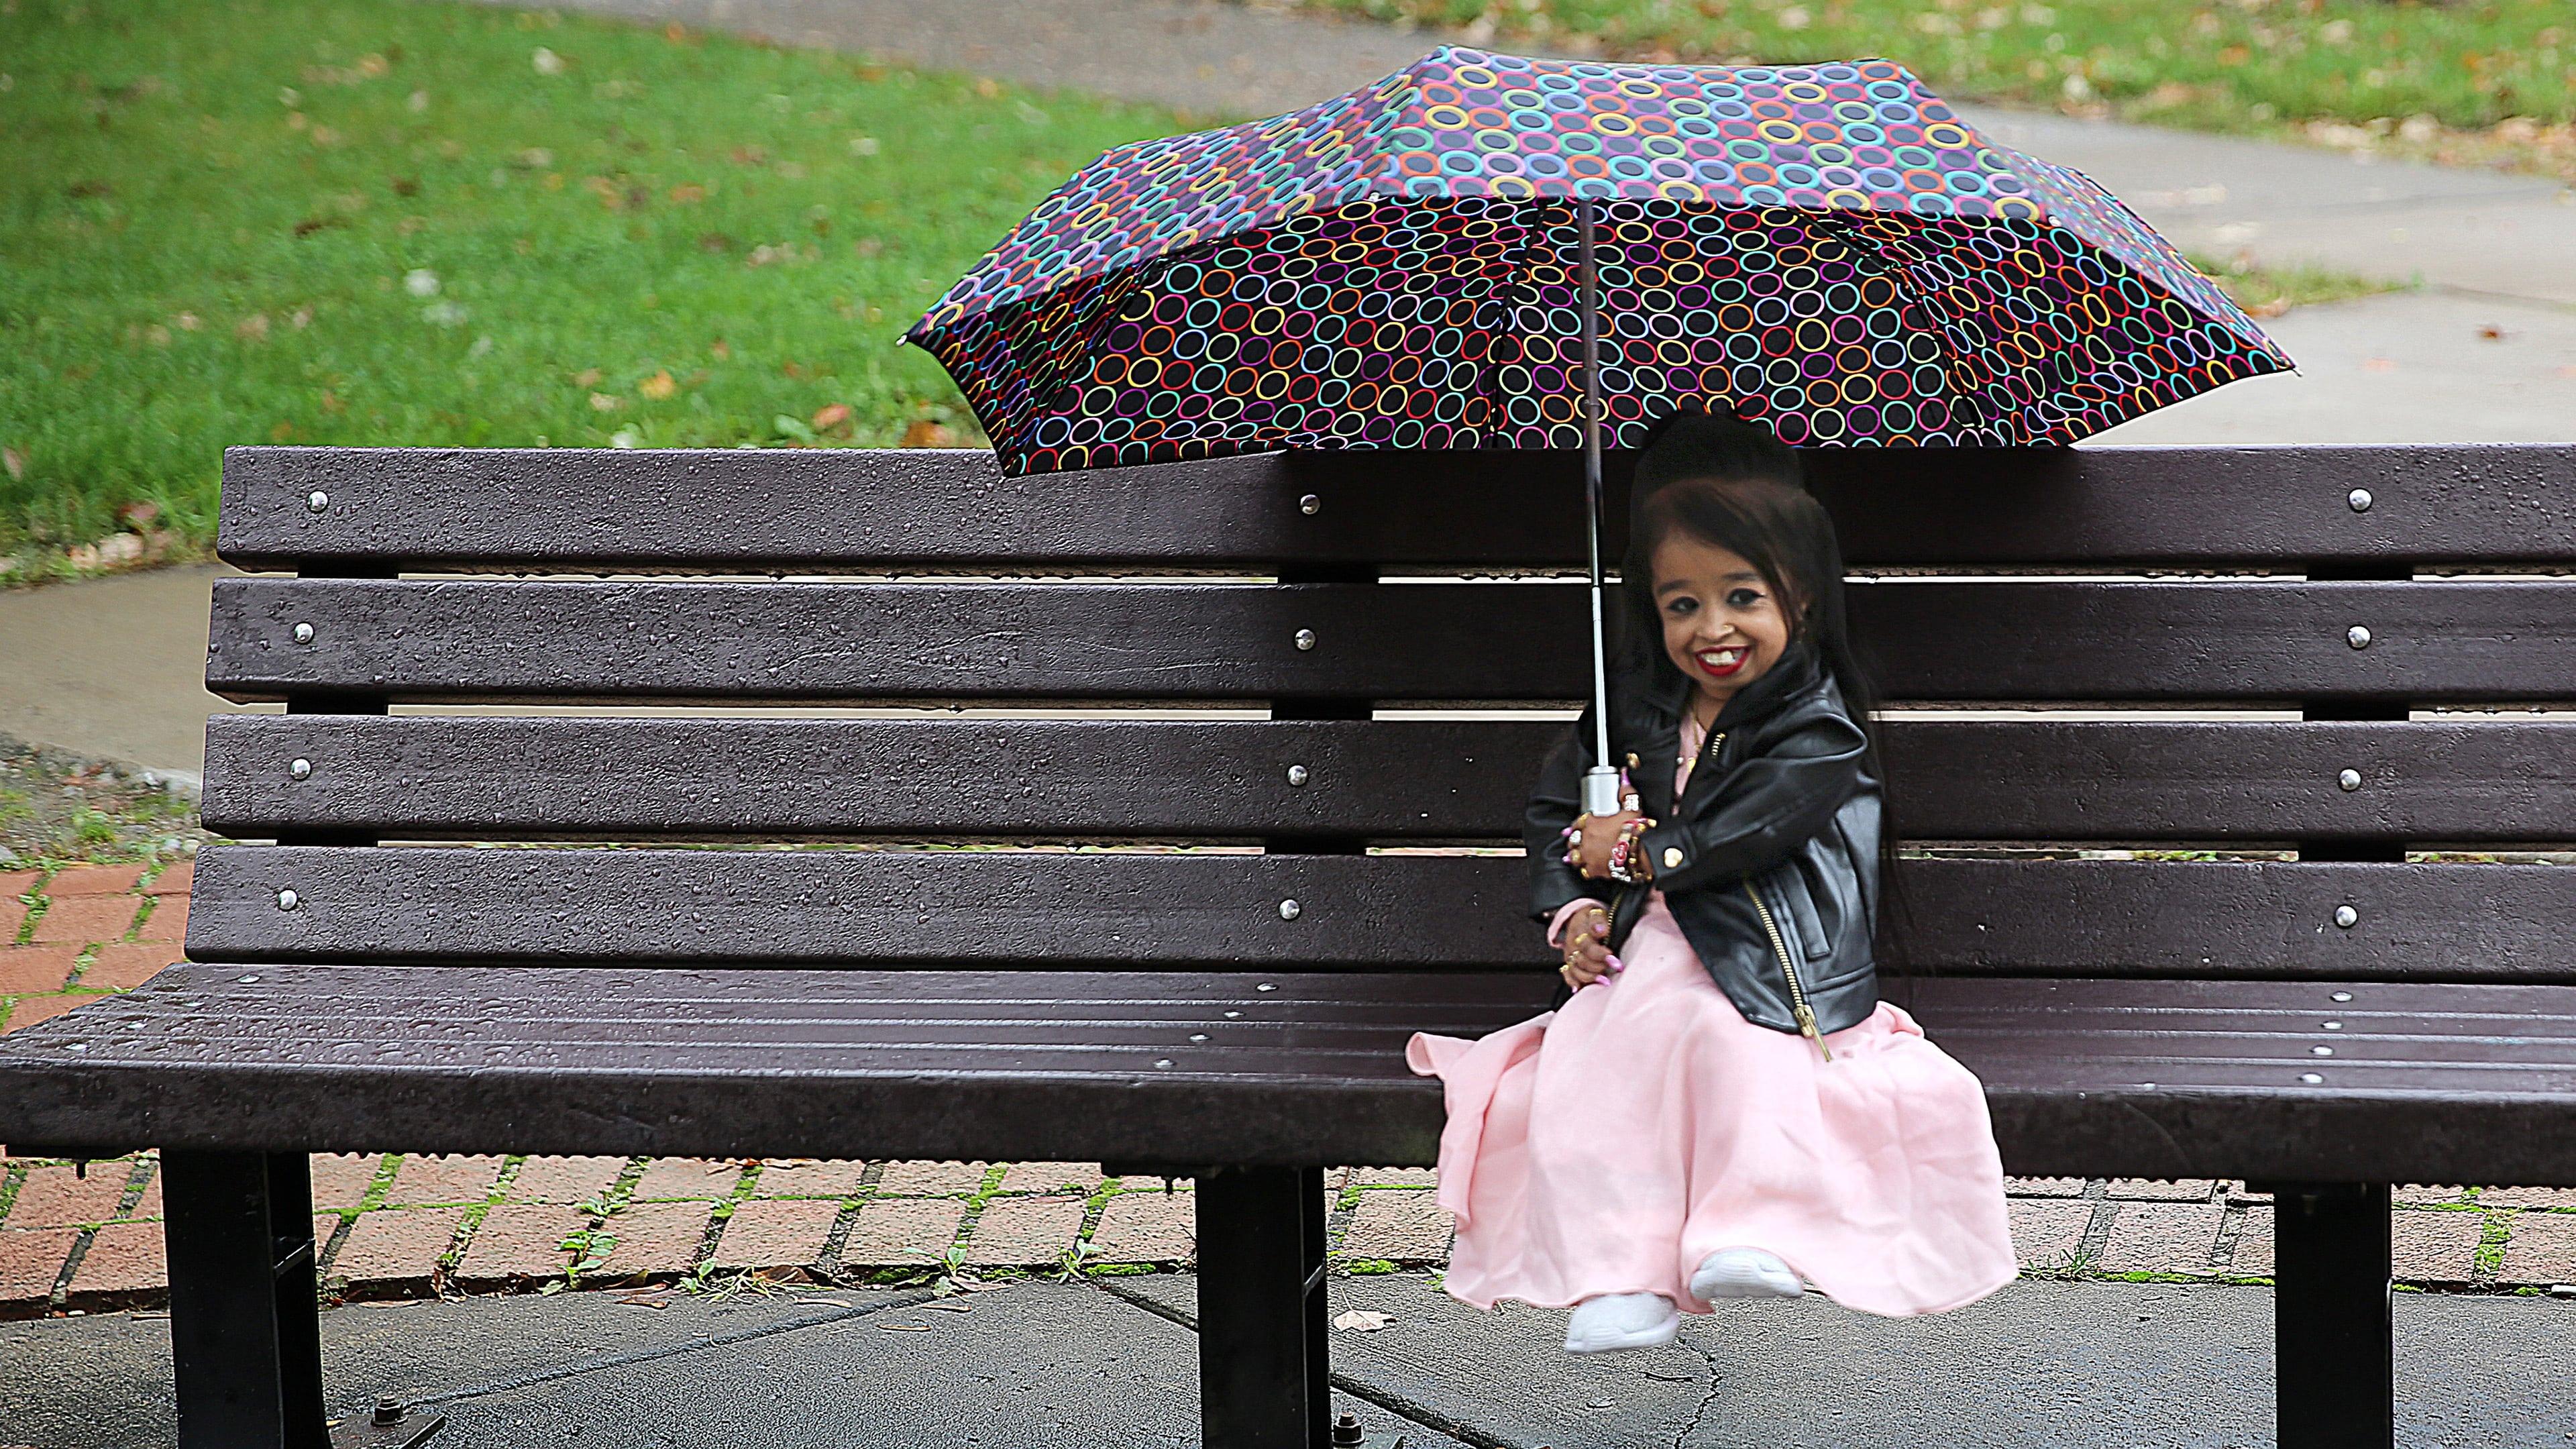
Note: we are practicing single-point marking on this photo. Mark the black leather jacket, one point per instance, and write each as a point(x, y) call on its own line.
point(1777, 833)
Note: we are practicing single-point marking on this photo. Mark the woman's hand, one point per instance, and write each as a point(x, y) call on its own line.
point(1587, 948)
point(1591, 847)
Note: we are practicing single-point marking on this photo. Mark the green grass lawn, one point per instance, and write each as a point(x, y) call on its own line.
point(2466, 80)
point(389, 222)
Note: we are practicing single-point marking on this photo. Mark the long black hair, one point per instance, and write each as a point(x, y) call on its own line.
point(1735, 486)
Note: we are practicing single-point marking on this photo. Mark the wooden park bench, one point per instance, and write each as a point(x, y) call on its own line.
point(1284, 712)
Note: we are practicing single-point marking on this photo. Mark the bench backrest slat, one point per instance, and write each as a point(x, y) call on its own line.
point(756, 511)
point(2059, 640)
point(2102, 781)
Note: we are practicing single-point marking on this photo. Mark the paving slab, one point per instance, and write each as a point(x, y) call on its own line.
point(2069, 1365)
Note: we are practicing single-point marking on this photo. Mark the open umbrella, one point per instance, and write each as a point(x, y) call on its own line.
point(1485, 251)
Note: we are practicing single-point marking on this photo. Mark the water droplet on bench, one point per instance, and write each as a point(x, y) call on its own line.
point(2342, 996)
point(1198, 1036)
point(1265, 986)
point(2310, 1078)
point(2321, 1050)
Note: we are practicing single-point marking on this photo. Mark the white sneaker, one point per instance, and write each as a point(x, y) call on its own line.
point(1622, 1320)
point(1744, 1273)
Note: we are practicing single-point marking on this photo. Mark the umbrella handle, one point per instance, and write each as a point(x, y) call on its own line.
point(1601, 782)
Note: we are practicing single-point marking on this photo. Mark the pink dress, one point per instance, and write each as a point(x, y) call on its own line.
point(1610, 1145)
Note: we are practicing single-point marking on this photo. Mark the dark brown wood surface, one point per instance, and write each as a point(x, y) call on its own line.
point(2483, 778)
point(1037, 910)
point(1928, 639)
point(847, 508)
point(2166, 1079)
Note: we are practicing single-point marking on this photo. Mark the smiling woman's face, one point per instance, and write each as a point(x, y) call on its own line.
point(1723, 627)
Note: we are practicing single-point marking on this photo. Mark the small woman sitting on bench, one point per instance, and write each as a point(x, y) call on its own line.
point(1720, 1105)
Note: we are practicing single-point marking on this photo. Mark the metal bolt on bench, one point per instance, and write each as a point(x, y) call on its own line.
point(1238, 1016)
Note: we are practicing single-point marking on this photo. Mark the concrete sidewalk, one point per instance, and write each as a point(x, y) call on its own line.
point(1113, 1363)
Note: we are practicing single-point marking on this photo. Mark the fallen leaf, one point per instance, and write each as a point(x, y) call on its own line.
point(252, 328)
point(188, 321)
point(951, 1307)
point(312, 224)
point(302, 319)
point(720, 348)
point(688, 193)
point(832, 415)
point(606, 402)
point(2491, 332)
point(749, 156)
point(281, 432)
point(658, 386)
point(546, 61)
point(714, 241)
point(587, 377)
point(331, 402)
point(138, 515)
point(1360, 1320)
point(906, 1327)
point(923, 433)
point(406, 186)
point(15, 462)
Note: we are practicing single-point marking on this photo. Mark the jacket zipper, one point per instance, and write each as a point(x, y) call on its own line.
point(1797, 994)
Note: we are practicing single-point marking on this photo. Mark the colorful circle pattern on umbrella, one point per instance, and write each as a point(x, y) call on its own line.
point(1824, 248)
point(1454, 324)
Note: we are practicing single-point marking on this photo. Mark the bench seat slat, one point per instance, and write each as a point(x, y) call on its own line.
point(476, 639)
point(1429, 913)
point(482, 777)
point(2066, 1093)
point(501, 507)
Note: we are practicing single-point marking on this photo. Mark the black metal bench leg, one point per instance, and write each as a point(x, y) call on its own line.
point(245, 1344)
point(1264, 1366)
point(2332, 1344)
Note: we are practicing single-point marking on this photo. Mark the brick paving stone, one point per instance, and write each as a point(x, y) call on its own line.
point(341, 1179)
point(124, 1265)
point(693, 1178)
point(2187, 1189)
point(325, 1225)
point(122, 968)
point(2434, 1247)
point(655, 1238)
point(2416, 1192)
point(424, 1179)
point(2047, 1231)
point(55, 1197)
point(15, 883)
point(93, 880)
point(1079, 1177)
point(2541, 1250)
point(2254, 1244)
point(1024, 1232)
point(36, 968)
point(2044, 1186)
point(2238, 1192)
point(168, 923)
point(13, 915)
point(175, 879)
point(776, 1233)
point(2527, 1197)
point(566, 1180)
point(33, 1009)
point(1399, 1226)
point(902, 1234)
point(923, 1179)
point(82, 920)
point(834, 1177)
point(1141, 1183)
point(29, 1264)
point(148, 1204)
point(518, 1243)
point(1393, 1177)
point(2162, 1237)
point(1146, 1227)
point(390, 1252)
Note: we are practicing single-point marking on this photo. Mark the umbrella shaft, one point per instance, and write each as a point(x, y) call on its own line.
point(1589, 286)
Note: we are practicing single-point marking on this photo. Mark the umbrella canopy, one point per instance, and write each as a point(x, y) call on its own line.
point(1825, 249)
